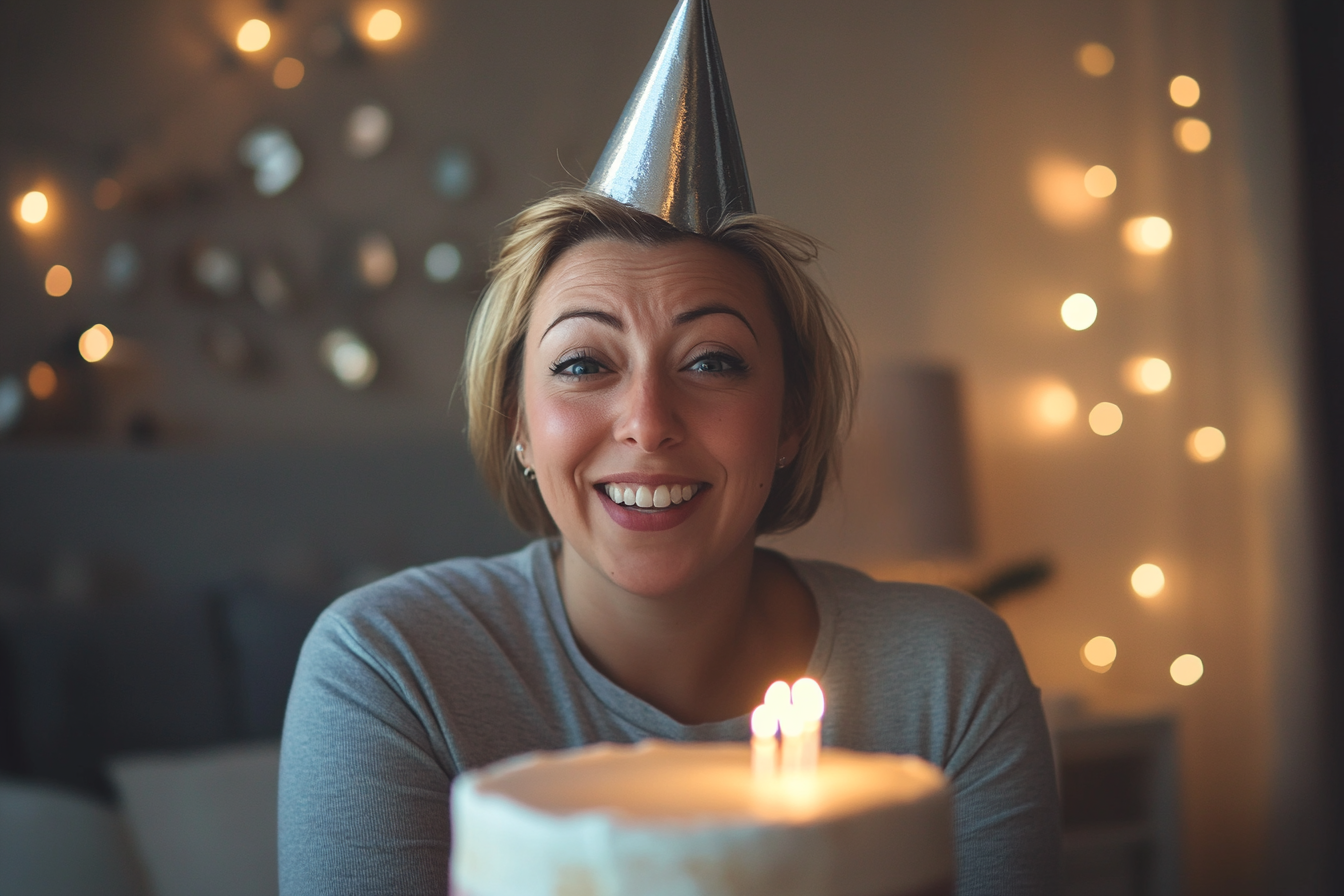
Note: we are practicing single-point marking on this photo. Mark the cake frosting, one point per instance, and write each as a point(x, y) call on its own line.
point(663, 819)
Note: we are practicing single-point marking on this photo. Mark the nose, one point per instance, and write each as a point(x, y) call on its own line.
point(647, 418)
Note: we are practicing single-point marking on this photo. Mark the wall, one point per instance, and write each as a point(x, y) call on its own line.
point(903, 135)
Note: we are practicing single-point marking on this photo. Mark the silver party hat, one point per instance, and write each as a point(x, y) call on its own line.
point(676, 152)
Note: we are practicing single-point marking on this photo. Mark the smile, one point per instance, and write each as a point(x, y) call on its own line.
point(642, 496)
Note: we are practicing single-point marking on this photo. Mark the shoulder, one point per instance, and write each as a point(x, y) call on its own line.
point(467, 596)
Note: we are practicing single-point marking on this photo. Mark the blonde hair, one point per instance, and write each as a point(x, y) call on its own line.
point(821, 369)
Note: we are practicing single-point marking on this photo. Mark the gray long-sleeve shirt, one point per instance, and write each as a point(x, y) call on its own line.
point(438, 669)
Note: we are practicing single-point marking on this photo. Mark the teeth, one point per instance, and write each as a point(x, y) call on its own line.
point(643, 496)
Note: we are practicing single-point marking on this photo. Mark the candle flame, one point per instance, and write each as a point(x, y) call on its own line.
point(764, 722)
point(777, 696)
point(808, 699)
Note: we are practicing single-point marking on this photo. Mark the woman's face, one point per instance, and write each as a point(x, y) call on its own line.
point(653, 395)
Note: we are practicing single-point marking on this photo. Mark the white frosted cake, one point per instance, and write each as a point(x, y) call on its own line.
point(658, 819)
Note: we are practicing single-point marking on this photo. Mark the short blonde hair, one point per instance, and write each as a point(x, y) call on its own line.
point(821, 369)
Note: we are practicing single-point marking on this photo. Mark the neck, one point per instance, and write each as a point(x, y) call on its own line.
point(705, 651)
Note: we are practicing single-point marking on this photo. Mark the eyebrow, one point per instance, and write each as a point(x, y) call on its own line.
point(685, 317)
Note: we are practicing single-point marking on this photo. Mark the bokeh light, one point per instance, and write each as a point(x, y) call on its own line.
point(58, 281)
point(95, 343)
point(1192, 134)
point(11, 402)
point(271, 151)
point(1053, 405)
point(253, 36)
point(376, 260)
point(349, 358)
point(33, 207)
point(1099, 181)
point(1147, 375)
point(288, 73)
point(1184, 90)
point(41, 381)
point(1099, 653)
point(1059, 193)
point(1206, 444)
point(1148, 235)
point(121, 266)
point(1187, 669)
point(1147, 580)
point(367, 131)
point(1105, 419)
point(1078, 312)
point(384, 24)
point(106, 194)
point(443, 262)
point(1095, 59)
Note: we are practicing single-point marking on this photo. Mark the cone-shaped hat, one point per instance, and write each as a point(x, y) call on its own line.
point(676, 152)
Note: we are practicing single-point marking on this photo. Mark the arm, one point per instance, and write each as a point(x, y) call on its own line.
point(363, 792)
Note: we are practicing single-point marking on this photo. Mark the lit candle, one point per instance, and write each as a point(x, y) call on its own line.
point(791, 737)
point(764, 749)
point(809, 704)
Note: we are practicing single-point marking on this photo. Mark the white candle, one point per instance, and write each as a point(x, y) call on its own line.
point(764, 749)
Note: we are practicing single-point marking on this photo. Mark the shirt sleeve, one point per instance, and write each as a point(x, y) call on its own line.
point(1005, 804)
point(363, 804)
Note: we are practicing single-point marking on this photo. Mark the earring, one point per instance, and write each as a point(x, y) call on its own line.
point(528, 472)
point(783, 461)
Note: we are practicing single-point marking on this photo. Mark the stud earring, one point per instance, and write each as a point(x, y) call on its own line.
point(783, 461)
point(528, 472)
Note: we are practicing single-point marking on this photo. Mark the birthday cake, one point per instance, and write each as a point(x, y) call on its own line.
point(657, 819)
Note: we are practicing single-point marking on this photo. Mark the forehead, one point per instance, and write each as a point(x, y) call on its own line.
point(646, 277)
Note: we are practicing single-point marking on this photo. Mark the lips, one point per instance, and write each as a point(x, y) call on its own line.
point(649, 504)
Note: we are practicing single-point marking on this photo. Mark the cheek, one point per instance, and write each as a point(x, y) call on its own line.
point(561, 428)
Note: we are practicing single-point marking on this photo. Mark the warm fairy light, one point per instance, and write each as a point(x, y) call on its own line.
point(253, 36)
point(1095, 59)
point(1059, 192)
point(1192, 134)
point(1079, 311)
point(1147, 580)
point(1147, 376)
point(1149, 235)
point(384, 25)
point(1099, 181)
point(1187, 669)
point(1054, 405)
point(288, 73)
point(106, 194)
point(59, 280)
point(1184, 90)
point(1206, 444)
point(33, 207)
point(376, 260)
point(41, 380)
point(95, 343)
point(1099, 653)
point(1105, 419)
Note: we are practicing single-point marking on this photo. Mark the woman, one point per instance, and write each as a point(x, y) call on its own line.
point(651, 398)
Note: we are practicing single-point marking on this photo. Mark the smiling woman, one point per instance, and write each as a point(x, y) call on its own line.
point(652, 381)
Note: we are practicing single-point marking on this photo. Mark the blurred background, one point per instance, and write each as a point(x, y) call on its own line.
point(1088, 248)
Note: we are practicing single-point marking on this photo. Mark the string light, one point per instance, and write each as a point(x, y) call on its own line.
point(1054, 405)
point(32, 207)
point(1147, 580)
point(1095, 59)
point(41, 381)
point(1149, 235)
point(253, 36)
point(1187, 669)
point(1099, 181)
point(1192, 134)
point(1099, 654)
point(384, 25)
point(1206, 444)
point(1105, 419)
point(1079, 311)
point(59, 280)
point(95, 343)
point(288, 73)
point(1184, 90)
point(1147, 376)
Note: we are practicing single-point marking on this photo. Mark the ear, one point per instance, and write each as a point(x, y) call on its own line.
point(789, 444)
point(520, 439)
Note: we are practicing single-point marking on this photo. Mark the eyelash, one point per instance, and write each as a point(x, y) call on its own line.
point(733, 366)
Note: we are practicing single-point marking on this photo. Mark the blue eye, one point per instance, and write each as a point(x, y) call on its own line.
point(581, 366)
point(717, 362)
